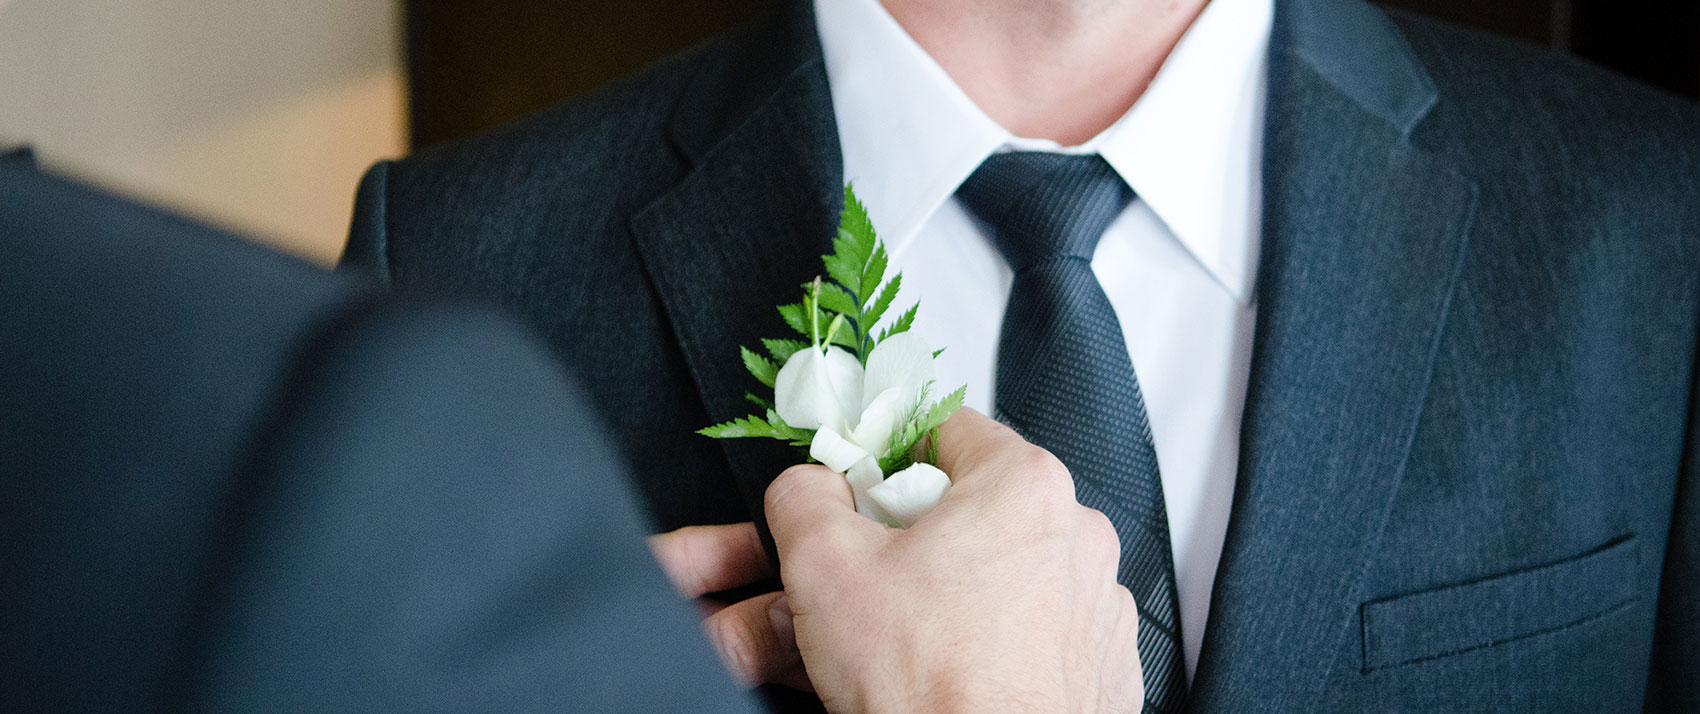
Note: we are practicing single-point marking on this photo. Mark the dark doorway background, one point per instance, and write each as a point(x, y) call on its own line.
point(473, 65)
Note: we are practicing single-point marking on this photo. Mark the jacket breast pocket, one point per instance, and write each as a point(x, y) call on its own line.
point(1497, 610)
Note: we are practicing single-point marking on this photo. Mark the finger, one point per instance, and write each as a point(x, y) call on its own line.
point(796, 678)
point(750, 639)
point(969, 440)
point(809, 502)
point(1122, 653)
point(707, 559)
point(784, 628)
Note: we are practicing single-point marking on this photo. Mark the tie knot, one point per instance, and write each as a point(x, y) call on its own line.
point(1043, 206)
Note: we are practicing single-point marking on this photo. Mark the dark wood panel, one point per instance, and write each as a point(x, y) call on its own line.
point(473, 65)
point(1657, 41)
point(476, 65)
point(1529, 20)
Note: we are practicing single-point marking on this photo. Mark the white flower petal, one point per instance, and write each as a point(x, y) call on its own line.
point(910, 493)
point(863, 477)
point(882, 417)
point(833, 450)
point(903, 362)
point(815, 390)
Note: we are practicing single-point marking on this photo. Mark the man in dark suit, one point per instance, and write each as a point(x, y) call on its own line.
point(231, 481)
point(1466, 474)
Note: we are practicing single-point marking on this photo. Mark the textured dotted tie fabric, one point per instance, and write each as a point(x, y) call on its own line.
point(1066, 383)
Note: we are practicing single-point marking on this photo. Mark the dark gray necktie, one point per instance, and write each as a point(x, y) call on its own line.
point(1065, 381)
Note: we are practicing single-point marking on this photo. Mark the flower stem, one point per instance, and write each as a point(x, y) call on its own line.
point(811, 303)
point(864, 328)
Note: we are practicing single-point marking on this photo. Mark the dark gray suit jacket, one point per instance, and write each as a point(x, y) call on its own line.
point(1470, 469)
point(232, 482)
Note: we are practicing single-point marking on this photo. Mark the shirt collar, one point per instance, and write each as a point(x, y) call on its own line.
point(1191, 146)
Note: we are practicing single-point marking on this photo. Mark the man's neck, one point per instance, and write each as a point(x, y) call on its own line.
point(1062, 70)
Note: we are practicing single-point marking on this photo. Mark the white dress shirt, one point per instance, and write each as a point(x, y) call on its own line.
point(1177, 264)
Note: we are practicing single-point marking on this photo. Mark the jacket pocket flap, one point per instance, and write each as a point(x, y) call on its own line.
point(1404, 629)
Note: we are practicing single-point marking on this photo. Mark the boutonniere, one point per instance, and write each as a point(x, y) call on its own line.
point(863, 402)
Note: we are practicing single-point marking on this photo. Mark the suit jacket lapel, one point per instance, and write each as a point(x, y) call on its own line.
point(20, 157)
point(746, 228)
point(1364, 235)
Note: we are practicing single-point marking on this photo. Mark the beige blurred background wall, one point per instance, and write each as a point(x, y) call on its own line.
point(256, 115)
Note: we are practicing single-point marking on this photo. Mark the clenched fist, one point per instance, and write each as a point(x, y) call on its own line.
point(1003, 598)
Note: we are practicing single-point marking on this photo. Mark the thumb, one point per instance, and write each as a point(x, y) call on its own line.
point(969, 441)
point(809, 505)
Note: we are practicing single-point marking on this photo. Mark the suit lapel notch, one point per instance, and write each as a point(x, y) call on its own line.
point(1364, 238)
point(737, 237)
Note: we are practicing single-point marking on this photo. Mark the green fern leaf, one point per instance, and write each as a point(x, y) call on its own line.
point(781, 430)
point(901, 325)
point(741, 428)
point(783, 349)
point(795, 317)
point(834, 298)
point(941, 412)
point(922, 420)
point(883, 302)
point(855, 225)
point(759, 366)
point(849, 341)
point(873, 273)
point(840, 268)
point(854, 246)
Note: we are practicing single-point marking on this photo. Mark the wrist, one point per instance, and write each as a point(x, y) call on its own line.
point(957, 693)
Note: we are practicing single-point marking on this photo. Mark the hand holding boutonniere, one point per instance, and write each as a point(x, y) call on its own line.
point(863, 402)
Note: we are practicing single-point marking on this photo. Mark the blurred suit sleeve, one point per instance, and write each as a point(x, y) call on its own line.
point(233, 482)
point(443, 528)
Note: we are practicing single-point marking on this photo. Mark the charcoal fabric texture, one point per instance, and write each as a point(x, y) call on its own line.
point(1477, 301)
point(1065, 380)
point(231, 481)
point(21, 157)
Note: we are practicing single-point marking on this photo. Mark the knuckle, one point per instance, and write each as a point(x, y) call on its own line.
point(1040, 462)
point(1129, 606)
point(1100, 540)
point(785, 487)
point(1043, 494)
point(1099, 530)
point(688, 566)
point(736, 647)
point(1047, 474)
